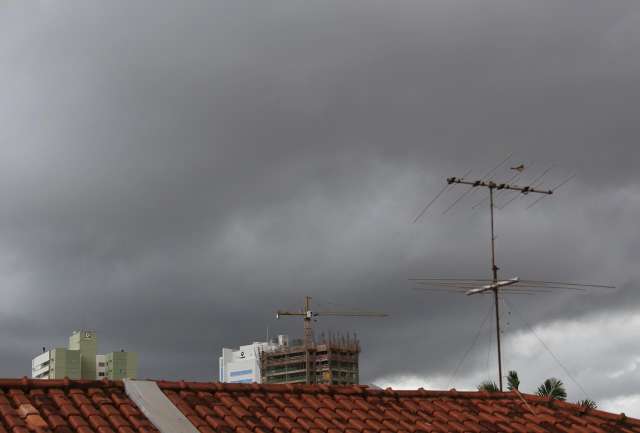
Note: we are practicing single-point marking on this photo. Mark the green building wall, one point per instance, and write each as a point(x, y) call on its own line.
point(86, 342)
point(121, 365)
point(65, 363)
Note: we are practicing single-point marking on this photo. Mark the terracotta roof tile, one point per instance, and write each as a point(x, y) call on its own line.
point(339, 423)
point(96, 421)
point(374, 424)
point(292, 412)
point(307, 424)
point(297, 402)
point(324, 424)
point(64, 406)
point(356, 424)
point(471, 426)
point(293, 408)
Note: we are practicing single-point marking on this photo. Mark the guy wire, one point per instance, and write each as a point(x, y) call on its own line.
point(549, 350)
point(470, 348)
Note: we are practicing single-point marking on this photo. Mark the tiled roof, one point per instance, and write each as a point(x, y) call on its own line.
point(101, 406)
point(68, 406)
point(240, 408)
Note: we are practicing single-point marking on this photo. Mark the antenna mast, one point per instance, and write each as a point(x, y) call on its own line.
point(495, 287)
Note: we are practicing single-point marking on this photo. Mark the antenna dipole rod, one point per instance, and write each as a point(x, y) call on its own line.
point(499, 186)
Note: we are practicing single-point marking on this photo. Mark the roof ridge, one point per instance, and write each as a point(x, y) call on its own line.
point(26, 382)
point(273, 388)
point(341, 390)
point(285, 388)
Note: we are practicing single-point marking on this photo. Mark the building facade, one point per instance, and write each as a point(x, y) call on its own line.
point(334, 361)
point(121, 365)
point(101, 366)
point(80, 361)
point(86, 343)
point(57, 364)
point(242, 365)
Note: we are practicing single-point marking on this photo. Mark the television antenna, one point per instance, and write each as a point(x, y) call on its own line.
point(496, 286)
point(308, 315)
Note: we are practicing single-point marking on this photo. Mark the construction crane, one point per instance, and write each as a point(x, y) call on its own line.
point(308, 315)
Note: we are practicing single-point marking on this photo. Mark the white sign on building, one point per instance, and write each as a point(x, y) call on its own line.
point(242, 365)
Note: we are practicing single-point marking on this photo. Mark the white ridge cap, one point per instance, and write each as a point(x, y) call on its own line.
point(155, 405)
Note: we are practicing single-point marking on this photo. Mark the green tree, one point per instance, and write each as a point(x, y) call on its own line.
point(553, 388)
point(513, 381)
point(588, 403)
point(489, 386)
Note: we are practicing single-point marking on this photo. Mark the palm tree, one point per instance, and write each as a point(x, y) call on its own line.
point(513, 381)
point(553, 388)
point(588, 403)
point(489, 386)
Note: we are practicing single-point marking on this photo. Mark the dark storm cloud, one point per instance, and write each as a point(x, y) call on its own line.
point(172, 175)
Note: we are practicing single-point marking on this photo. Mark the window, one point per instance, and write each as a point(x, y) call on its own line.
point(100, 364)
point(101, 374)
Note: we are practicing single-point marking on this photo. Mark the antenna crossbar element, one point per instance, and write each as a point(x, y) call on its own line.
point(517, 285)
point(493, 286)
point(498, 186)
point(349, 314)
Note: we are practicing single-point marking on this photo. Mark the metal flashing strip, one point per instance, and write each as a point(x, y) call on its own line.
point(155, 405)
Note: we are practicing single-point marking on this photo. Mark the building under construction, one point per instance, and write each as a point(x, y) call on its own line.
point(332, 361)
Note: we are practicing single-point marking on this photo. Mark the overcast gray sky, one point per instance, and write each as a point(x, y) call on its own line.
point(171, 174)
